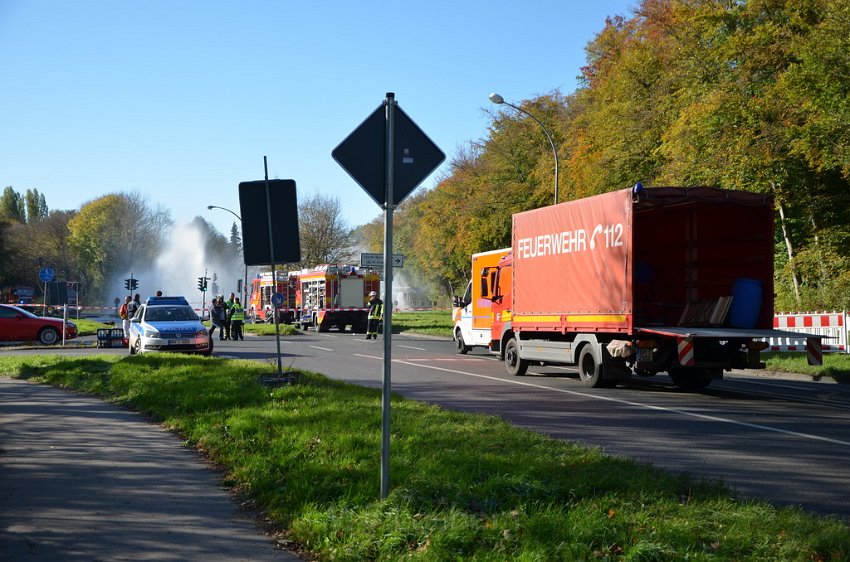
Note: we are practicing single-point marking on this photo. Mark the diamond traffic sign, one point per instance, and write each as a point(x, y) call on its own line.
point(363, 154)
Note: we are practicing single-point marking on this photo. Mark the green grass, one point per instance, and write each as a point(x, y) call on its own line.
point(266, 329)
point(87, 327)
point(434, 323)
point(835, 365)
point(463, 486)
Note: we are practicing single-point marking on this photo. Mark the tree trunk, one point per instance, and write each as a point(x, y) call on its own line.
point(788, 246)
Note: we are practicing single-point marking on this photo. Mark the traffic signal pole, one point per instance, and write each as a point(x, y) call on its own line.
point(202, 286)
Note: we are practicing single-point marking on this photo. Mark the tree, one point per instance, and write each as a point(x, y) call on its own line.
point(745, 95)
point(116, 233)
point(36, 206)
point(324, 235)
point(12, 206)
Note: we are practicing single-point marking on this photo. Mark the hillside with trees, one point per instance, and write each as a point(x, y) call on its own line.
point(749, 95)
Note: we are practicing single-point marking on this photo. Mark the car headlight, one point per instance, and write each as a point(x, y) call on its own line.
point(201, 333)
point(150, 333)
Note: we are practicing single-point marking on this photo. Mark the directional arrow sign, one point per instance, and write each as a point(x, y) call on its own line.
point(377, 260)
point(363, 154)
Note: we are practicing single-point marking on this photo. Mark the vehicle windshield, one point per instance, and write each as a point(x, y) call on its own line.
point(170, 314)
point(14, 311)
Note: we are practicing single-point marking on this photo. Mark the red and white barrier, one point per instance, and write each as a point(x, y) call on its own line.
point(686, 351)
point(831, 325)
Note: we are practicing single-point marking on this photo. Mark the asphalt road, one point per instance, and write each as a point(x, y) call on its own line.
point(785, 440)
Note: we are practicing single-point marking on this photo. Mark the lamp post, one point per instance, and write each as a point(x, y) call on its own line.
point(499, 100)
point(245, 281)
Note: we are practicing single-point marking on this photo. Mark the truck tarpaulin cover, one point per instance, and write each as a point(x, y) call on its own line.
point(574, 258)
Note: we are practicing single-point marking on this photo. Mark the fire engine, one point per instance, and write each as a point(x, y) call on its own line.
point(334, 296)
point(262, 289)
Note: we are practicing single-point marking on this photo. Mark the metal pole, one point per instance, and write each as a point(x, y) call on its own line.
point(271, 258)
point(388, 283)
point(551, 143)
point(497, 99)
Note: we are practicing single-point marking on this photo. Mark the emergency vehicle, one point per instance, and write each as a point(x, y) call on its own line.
point(19, 294)
point(260, 303)
point(633, 282)
point(334, 296)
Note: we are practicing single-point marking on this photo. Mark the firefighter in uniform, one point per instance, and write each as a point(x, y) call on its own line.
point(237, 319)
point(376, 314)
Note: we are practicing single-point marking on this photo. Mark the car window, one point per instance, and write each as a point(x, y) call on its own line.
point(170, 314)
point(8, 312)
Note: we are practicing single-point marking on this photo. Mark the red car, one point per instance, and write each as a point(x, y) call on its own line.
point(19, 325)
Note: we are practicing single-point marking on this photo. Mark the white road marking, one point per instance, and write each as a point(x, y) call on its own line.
point(322, 348)
point(411, 347)
point(628, 403)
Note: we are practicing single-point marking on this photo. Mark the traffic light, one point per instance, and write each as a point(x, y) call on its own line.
point(202, 283)
point(134, 284)
point(127, 284)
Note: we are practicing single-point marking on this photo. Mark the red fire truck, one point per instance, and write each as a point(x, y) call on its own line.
point(334, 296)
point(262, 289)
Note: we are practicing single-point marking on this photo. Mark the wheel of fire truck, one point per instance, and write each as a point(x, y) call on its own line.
point(513, 362)
point(460, 346)
point(589, 368)
point(693, 379)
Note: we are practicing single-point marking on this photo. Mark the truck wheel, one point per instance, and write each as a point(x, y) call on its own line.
point(589, 368)
point(461, 347)
point(516, 366)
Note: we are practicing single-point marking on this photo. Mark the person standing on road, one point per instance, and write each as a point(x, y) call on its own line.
point(134, 305)
point(376, 314)
point(228, 305)
point(125, 319)
point(237, 319)
point(217, 317)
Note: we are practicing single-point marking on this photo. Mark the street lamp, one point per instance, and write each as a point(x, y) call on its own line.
point(499, 100)
point(245, 281)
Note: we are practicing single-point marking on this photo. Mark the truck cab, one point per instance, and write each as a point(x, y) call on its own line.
point(471, 313)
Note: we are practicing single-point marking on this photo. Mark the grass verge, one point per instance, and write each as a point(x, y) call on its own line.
point(463, 486)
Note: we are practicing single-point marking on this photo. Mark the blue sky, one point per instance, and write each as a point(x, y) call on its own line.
point(180, 100)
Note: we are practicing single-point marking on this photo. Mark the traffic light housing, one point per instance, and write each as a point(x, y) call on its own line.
point(127, 284)
point(202, 283)
point(134, 284)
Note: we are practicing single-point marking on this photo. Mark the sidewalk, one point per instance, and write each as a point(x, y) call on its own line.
point(81, 479)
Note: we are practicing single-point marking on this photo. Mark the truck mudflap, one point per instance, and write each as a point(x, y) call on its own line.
point(687, 337)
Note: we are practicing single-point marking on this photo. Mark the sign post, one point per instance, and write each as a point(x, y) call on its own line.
point(389, 156)
point(269, 210)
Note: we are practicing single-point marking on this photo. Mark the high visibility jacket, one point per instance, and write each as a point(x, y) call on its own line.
point(376, 309)
point(237, 313)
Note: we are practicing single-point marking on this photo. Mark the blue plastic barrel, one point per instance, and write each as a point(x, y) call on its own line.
point(746, 303)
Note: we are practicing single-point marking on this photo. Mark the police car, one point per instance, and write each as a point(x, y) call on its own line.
point(168, 324)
